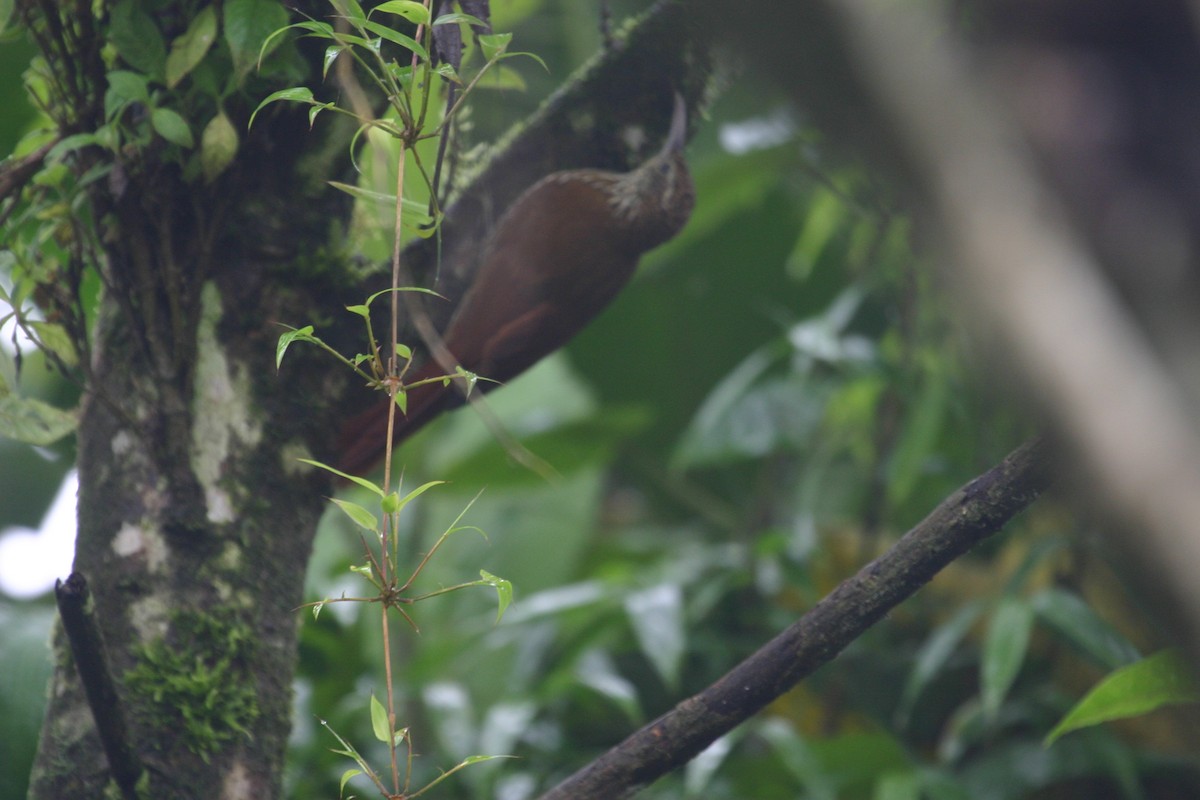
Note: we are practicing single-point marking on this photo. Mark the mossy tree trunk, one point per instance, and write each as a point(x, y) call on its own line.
point(195, 518)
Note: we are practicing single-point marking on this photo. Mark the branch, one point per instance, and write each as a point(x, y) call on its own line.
point(87, 647)
point(970, 515)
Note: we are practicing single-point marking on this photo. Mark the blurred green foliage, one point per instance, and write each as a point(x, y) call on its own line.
point(781, 392)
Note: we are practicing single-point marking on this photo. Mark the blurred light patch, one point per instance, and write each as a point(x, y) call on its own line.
point(31, 560)
point(757, 133)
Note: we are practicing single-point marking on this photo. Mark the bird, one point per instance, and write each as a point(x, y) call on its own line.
point(556, 258)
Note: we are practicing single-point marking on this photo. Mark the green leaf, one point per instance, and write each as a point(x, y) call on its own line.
point(304, 334)
point(414, 12)
point(331, 54)
point(1004, 650)
point(457, 16)
point(656, 614)
point(359, 515)
point(379, 721)
point(56, 339)
point(297, 94)
point(933, 656)
point(1077, 622)
point(27, 419)
point(396, 38)
point(124, 87)
point(138, 40)
point(415, 493)
point(248, 26)
point(346, 776)
point(191, 46)
point(522, 54)
point(494, 44)
point(69, 144)
point(359, 309)
point(414, 213)
point(504, 591)
point(218, 146)
point(172, 127)
point(363, 482)
point(1165, 678)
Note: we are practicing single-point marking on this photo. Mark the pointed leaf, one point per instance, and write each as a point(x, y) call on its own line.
point(285, 341)
point(504, 591)
point(359, 515)
point(363, 482)
point(1165, 678)
point(297, 94)
point(379, 721)
point(412, 11)
point(1004, 650)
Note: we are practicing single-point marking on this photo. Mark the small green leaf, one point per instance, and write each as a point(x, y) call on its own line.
point(414, 212)
point(494, 44)
point(402, 401)
point(128, 86)
point(504, 591)
point(317, 109)
point(297, 94)
point(1004, 650)
point(30, 420)
point(285, 341)
point(363, 482)
point(397, 38)
point(317, 609)
point(456, 16)
point(1165, 678)
point(419, 289)
point(379, 721)
point(522, 54)
point(359, 515)
point(172, 127)
point(360, 309)
point(331, 54)
point(346, 776)
point(69, 144)
point(414, 12)
point(218, 146)
point(403, 351)
point(390, 503)
point(191, 46)
point(417, 492)
point(124, 87)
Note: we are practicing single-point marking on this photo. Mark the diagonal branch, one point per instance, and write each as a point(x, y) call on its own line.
point(973, 513)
